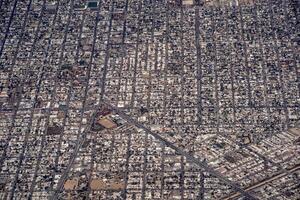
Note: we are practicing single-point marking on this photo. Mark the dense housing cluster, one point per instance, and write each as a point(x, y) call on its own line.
point(153, 99)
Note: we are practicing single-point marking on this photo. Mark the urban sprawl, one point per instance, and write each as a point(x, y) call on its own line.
point(149, 99)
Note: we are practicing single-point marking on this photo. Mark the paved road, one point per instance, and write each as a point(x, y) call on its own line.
point(264, 182)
